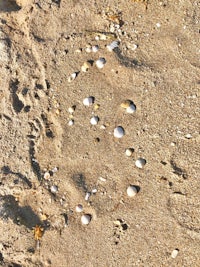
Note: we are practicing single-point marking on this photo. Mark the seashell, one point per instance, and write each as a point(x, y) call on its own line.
point(95, 48)
point(79, 208)
point(54, 189)
point(47, 175)
point(131, 191)
point(85, 67)
point(88, 101)
point(72, 77)
point(100, 63)
point(175, 253)
point(129, 152)
point(119, 132)
point(88, 49)
point(71, 122)
point(140, 163)
point(112, 46)
point(131, 109)
point(71, 109)
point(87, 196)
point(94, 120)
point(86, 219)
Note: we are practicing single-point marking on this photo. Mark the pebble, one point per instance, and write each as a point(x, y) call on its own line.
point(94, 120)
point(175, 253)
point(88, 101)
point(140, 163)
point(54, 189)
point(79, 208)
point(129, 152)
point(131, 191)
point(100, 63)
point(119, 132)
point(86, 218)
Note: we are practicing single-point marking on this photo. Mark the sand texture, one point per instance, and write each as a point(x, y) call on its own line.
point(53, 158)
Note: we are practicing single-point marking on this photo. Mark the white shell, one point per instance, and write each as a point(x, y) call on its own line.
point(79, 208)
point(95, 48)
point(131, 109)
point(88, 101)
point(46, 175)
point(131, 191)
point(140, 163)
point(54, 189)
point(112, 46)
point(174, 253)
point(100, 63)
point(88, 49)
point(72, 77)
point(86, 218)
point(71, 109)
point(71, 122)
point(119, 132)
point(87, 196)
point(94, 120)
point(129, 152)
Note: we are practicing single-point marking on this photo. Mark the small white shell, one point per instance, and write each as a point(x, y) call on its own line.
point(119, 132)
point(46, 175)
point(86, 218)
point(100, 63)
point(131, 191)
point(131, 109)
point(129, 152)
point(87, 196)
point(94, 120)
point(71, 109)
point(71, 122)
point(140, 163)
point(175, 253)
point(79, 208)
point(112, 46)
point(72, 77)
point(54, 189)
point(88, 49)
point(88, 101)
point(95, 48)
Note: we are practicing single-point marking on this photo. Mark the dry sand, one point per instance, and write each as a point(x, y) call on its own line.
point(38, 51)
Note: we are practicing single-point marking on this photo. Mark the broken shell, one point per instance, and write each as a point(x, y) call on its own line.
point(119, 132)
point(129, 152)
point(72, 77)
point(112, 46)
point(95, 48)
point(85, 67)
point(94, 120)
point(79, 208)
point(86, 218)
point(100, 63)
point(88, 101)
point(131, 191)
point(131, 109)
point(54, 189)
point(140, 163)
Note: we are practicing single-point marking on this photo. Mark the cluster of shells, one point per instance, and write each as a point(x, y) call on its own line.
point(127, 106)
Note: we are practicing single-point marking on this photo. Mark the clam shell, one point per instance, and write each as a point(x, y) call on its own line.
point(86, 218)
point(95, 48)
point(100, 63)
point(88, 101)
point(119, 132)
point(129, 152)
point(140, 163)
point(131, 191)
point(79, 208)
point(94, 120)
point(72, 76)
point(131, 109)
point(112, 46)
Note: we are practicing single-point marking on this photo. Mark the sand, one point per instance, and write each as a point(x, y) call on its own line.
point(157, 67)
